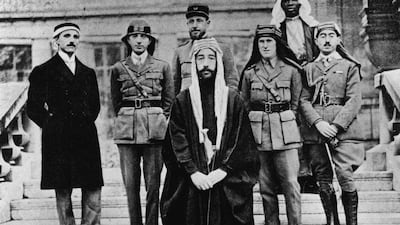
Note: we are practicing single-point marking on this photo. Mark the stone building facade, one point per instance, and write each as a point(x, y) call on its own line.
point(26, 27)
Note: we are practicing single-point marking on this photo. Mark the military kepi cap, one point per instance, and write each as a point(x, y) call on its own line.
point(63, 27)
point(327, 26)
point(138, 26)
point(268, 31)
point(197, 9)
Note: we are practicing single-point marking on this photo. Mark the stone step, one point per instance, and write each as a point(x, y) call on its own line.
point(116, 207)
point(308, 219)
point(365, 180)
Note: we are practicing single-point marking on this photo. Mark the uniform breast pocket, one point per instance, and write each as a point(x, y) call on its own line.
point(125, 80)
point(155, 76)
point(283, 87)
point(256, 92)
point(124, 123)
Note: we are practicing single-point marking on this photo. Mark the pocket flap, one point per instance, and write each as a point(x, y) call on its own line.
point(287, 115)
point(123, 77)
point(126, 111)
point(283, 84)
point(255, 116)
point(153, 75)
point(257, 86)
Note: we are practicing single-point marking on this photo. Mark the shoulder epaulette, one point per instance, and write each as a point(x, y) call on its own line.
point(184, 43)
point(294, 64)
point(251, 67)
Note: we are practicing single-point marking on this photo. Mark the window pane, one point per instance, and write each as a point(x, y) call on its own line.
point(98, 56)
point(6, 57)
point(23, 59)
point(113, 54)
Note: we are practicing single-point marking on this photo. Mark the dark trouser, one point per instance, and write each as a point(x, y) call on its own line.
point(347, 156)
point(91, 206)
point(280, 168)
point(130, 157)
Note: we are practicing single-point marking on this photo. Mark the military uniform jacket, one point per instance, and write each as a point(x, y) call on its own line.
point(276, 130)
point(340, 82)
point(141, 125)
point(181, 67)
point(65, 106)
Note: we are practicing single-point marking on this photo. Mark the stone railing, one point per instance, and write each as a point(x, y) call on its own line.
point(13, 137)
point(386, 155)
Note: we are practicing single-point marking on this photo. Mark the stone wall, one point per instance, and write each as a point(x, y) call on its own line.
point(104, 22)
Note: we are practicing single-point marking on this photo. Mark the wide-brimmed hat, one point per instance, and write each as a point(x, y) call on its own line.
point(197, 9)
point(140, 26)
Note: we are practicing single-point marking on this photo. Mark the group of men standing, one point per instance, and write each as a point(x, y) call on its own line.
point(217, 132)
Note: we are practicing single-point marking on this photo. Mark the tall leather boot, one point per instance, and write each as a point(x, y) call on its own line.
point(328, 199)
point(350, 204)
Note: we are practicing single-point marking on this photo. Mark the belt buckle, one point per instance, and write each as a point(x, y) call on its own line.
point(327, 100)
point(267, 107)
point(138, 103)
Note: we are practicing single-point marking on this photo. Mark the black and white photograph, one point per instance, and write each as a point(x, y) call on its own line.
point(199, 112)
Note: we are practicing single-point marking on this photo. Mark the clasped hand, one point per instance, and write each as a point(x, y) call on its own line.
point(204, 182)
point(326, 129)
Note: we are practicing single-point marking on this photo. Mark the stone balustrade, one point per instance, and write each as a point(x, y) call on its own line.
point(386, 155)
point(13, 137)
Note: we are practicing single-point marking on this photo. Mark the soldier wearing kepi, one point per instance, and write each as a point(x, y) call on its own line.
point(63, 100)
point(329, 103)
point(197, 20)
point(142, 92)
point(271, 87)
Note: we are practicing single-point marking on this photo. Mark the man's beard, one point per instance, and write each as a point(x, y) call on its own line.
point(197, 37)
point(207, 77)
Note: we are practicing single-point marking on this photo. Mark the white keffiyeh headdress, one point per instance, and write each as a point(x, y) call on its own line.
point(220, 95)
point(278, 15)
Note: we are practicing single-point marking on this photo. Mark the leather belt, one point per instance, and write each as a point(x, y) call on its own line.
point(328, 100)
point(141, 103)
point(270, 107)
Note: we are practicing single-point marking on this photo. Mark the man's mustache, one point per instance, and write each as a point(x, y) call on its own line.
point(71, 45)
point(327, 44)
point(206, 69)
point(194, 29)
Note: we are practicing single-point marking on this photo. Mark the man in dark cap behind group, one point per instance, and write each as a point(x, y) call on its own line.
point(63, 100)
point(197, 20)
point(329, 102)
point(142, 92)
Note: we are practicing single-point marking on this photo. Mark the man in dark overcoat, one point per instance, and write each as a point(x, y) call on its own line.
point(330, 102)
point(63, 100)
point(198, 21)
point(210, 155)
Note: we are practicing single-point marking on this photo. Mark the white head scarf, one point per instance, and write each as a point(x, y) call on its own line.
point(278, 14)
point(220, 94)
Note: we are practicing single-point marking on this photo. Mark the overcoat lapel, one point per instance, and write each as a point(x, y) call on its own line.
point(63, 68)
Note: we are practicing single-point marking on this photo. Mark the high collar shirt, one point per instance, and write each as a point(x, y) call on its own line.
point(327, 59)
point(139, 59)
point(69, 61)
